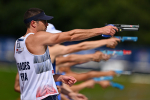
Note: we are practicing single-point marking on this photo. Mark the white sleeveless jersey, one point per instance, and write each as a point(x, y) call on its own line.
point(35, 72)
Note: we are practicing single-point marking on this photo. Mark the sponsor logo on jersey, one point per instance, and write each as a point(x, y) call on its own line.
point(19, 49)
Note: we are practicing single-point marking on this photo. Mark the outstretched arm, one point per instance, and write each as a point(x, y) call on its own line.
point(75, 96)
point(91, 74)
point(112, 42)
point(74, 59)
point(46, 38)
point(97, 56)
point(86, 84)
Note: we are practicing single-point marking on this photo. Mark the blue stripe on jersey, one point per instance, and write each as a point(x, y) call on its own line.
point(20, 40)
point(57, 83)
point(54, 66)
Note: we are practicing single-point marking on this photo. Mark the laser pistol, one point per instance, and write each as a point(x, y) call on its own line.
point(123, 27)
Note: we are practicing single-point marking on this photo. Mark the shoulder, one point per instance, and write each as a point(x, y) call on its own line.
point(42, 34)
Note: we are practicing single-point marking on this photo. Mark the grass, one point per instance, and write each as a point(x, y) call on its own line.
point(132, 91)
point(7, 85)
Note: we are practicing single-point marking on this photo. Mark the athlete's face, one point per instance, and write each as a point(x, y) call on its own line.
point(42, 25)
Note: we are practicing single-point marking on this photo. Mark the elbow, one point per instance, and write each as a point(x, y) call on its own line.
point(17, 89)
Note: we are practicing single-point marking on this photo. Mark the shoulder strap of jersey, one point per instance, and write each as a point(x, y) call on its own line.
point(27, 36)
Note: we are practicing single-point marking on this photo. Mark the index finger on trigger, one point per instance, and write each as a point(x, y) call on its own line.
point(115, 28)
point(117, 39)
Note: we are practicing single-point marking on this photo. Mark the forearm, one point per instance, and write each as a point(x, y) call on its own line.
point(67, 64)
point(93, 74)
point(57, 77)
point(92, 44)
point(17, 88)
point(17, 84)
point(74, 58)
point(78, 87)
point(81, 34)
point(65, 90)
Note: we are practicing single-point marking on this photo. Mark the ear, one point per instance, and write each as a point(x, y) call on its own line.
point(33, 24)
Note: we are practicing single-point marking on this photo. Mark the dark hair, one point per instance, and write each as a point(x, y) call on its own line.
point(30, 13)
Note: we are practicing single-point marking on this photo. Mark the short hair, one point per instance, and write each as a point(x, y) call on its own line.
point(30, 13)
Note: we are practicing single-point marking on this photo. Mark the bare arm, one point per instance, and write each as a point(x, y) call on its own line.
point(78, 59)
point(112, 42)
point(69, 80)
point(91, 74)
point(75, 96)
point(74, 58)
point(46, 38)
point(86, 84)
point(17, 85)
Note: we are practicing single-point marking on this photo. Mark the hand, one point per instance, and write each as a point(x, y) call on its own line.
point(97, 56)
point(77, 96)
point(112, 42)
point(105, 57)
point(69, 80)
point(89, 83)
point(109, 30)
point(104, 83)
point(111, 73)
point(59, 89)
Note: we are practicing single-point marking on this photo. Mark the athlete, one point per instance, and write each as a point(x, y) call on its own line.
point(33, 59)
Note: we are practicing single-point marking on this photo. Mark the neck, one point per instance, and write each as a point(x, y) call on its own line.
point(29, 30)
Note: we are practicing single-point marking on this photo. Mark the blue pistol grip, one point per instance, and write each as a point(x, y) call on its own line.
point(119, 37)
point(103, 78)
point(125, 38)
point(119, 53)
point(107, 35)
point(117, 85)
point(119, 71)
point(110, 52)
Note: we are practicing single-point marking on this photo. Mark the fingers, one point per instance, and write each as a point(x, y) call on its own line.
point(115, 28)
point(71, 81)
point(82, 97)
point(105, 57)
point(118, 40)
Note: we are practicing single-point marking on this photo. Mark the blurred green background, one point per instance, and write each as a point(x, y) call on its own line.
point(80, 14)
point(134, 89)
point(83, 14)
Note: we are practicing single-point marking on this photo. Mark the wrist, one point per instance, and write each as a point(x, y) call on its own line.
point(60, 78)
point(105, 41)
point(70, 94)
point(98, 31)
point(93, 57)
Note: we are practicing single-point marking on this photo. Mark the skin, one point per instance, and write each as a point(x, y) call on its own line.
point(37, 43)
point(55, 52)
point(65, 66)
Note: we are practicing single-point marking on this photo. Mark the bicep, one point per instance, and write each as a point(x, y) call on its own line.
point(46, 38)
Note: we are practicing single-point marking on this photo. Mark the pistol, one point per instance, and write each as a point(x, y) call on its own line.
point(123, 27)
point(127, 38)
point(117, 52)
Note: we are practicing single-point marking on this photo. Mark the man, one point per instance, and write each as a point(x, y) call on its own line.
point(33, 59)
